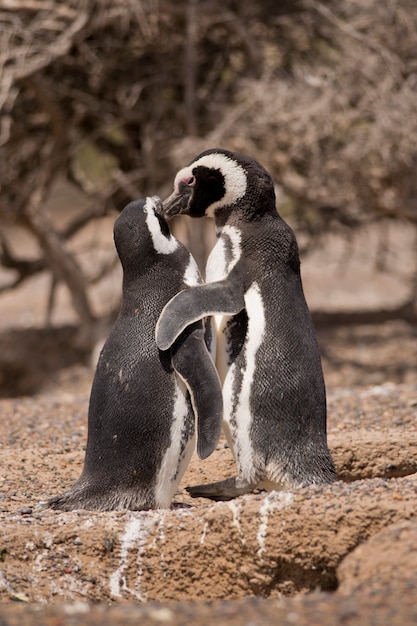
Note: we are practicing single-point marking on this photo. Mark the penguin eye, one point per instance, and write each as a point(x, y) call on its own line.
point(163, 226)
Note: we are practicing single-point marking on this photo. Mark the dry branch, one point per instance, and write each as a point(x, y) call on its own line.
point(115, 94)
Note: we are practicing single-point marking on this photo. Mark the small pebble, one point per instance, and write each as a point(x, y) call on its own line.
point(26, 511)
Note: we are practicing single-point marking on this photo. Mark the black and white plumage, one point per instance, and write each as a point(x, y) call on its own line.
point(144, 402)
point(268, 357)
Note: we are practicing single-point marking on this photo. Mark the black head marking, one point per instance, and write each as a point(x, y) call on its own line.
point(220, 182)
point(210, 188)
point(163, 225)
point(214, 180)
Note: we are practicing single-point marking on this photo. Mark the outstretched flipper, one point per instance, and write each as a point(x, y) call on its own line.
point(193, 363)
point(188, 306)
point(222, 490)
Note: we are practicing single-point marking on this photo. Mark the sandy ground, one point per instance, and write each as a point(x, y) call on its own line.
point(273, 548)
point(297, 549)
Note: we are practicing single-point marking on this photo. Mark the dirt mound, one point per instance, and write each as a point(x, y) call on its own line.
point(388, 559)
point(265, 545)
point(270, 545)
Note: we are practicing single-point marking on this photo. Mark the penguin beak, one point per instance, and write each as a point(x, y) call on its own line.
point(177, 203)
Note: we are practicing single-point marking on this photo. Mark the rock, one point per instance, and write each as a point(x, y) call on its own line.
point(387, 560)
point(363, 454)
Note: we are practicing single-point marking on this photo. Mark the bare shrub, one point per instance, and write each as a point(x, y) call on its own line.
point(114, 95)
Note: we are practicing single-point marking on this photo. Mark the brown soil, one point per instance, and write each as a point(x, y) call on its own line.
point(343, 553)
point(264, 545)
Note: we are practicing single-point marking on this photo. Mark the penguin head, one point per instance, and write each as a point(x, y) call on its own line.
point(141, 232)
point(218, 183)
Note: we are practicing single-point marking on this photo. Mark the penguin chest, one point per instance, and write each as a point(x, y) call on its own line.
point(225, 254)
point(222, 259)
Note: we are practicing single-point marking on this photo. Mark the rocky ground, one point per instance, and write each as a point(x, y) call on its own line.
point(343, 553)
point(339, 554)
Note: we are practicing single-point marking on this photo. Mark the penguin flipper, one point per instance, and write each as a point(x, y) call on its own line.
point(222, 490)
point(188, 306)
point(193, 363)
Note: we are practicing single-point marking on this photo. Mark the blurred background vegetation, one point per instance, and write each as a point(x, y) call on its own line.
point(101, 101)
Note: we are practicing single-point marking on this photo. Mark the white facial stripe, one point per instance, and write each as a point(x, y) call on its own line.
point(235, 179)
point(192, 274)
point(162, 244)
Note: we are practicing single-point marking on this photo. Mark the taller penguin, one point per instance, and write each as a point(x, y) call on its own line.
point(268, 357)
point(144, 402)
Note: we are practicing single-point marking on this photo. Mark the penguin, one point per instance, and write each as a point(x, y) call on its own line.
point(144, 402)
point(267, 353)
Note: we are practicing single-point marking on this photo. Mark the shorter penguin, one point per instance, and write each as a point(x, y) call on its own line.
point(268, 357)
point(144, 402)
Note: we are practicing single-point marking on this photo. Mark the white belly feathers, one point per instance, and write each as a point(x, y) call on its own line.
point(237, 383)
point(178, 454)
point(225, 254)
point(222, 259)
point(237, 410)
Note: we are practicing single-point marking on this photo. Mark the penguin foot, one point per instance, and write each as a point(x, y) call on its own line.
point(93, 499)
point(67, 502)
point(222, 490)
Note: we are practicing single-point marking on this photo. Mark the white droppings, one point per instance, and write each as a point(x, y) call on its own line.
point(88, 523)
point(161, 526)
point(204, 533)
point(192, 273)
point(236, 507)
point(161, 243)
point(159, 540)
point(274, 501)
point(136, 532)
point(207, 523)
